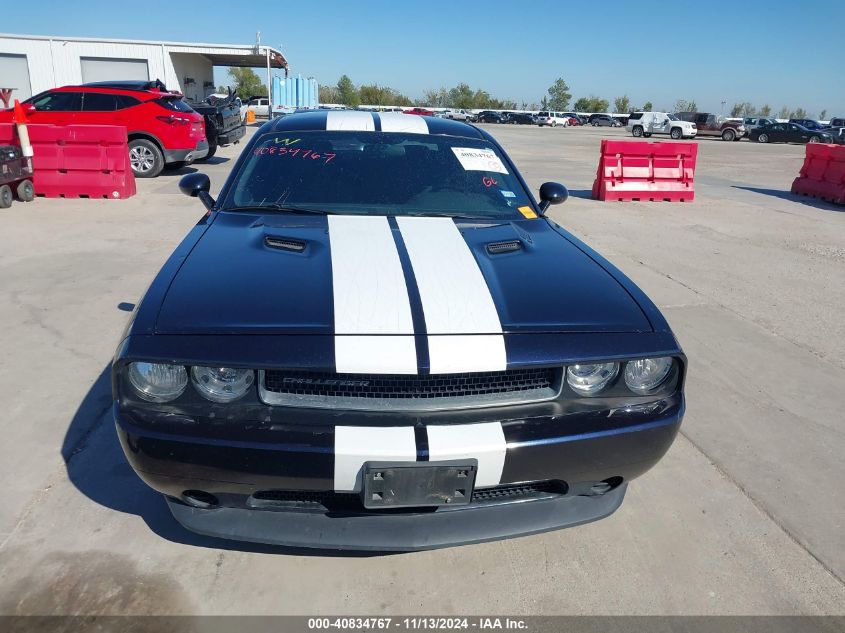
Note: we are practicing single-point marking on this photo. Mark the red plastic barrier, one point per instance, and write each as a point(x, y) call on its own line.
point(638, 170)
point(78, 161)
point(823, 173)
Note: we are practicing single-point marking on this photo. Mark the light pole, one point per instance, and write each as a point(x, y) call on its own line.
point(722, 111)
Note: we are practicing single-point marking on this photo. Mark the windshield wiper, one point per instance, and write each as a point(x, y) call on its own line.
point(457, 216)
point(281, 208)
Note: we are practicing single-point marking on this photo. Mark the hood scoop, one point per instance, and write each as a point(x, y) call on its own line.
point(284, 244)
point(509, 246)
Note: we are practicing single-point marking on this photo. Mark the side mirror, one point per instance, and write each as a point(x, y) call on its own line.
point(552, 193)
point(197, 185)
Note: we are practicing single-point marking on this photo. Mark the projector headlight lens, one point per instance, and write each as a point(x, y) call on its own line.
point(588, 380)
point(157, 382)
point(646, 374)
point(222, 384)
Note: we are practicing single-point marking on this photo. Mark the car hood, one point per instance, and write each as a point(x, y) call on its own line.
point(273, 274)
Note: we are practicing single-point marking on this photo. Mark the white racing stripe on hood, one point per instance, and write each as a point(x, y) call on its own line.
point(398, 122)
point(350, 121)
point(456, 301)
point(372, 314)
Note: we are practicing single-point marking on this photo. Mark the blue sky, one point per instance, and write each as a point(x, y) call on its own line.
point(708, 50)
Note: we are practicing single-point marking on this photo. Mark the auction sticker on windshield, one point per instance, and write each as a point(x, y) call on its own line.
point(475, 159)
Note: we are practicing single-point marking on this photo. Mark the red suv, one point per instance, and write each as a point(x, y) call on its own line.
point(163, 130)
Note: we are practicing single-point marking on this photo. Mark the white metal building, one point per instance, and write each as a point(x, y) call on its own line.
point(32, 63)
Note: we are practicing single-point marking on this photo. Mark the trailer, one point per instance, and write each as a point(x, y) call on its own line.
point(15, 176)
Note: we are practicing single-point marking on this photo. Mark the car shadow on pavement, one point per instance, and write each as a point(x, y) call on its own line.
point(794, 197)
point(215, 160)
point(187, 169)
point(97, 467)
point(586, 194)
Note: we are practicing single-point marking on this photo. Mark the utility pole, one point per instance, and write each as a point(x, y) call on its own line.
point(722, 111)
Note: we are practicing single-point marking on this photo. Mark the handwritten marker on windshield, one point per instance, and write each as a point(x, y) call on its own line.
point(23, 133)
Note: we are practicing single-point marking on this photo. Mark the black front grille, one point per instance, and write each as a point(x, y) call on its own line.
point(397, 386)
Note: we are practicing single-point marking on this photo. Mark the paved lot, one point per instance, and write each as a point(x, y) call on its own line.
point(745, 515)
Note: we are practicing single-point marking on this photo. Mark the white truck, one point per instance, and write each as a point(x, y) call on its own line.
point(648, 123)
point(459, 115)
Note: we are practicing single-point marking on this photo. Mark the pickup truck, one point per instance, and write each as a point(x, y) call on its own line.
point(712, 125)
point(420, 111)
point(459, 115)
point(223, 124)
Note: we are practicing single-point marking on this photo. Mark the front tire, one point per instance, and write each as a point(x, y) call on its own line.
point(676, 133)
point(145, 158)
point(728, 135)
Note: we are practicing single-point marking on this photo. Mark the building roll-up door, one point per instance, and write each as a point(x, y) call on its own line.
point(14, 73)
point(110, 69)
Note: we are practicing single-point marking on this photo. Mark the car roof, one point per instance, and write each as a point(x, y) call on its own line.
point(112, 88)
point(351, 120)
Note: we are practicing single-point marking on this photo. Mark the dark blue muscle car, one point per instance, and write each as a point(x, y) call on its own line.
point(375, 339)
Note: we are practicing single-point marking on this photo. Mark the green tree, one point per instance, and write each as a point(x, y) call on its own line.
point(461, 96)
point(544, 103)
point(622, 105)
point(328, 94)
point(591, 104)
point(648, 107)
point(559, 95)
point(682, 105)
point(784, 113)
point(347, 93)
point(247, 82)
point(436, 98)
point(823, 115)
point(744, 108)
point(766, 111)
point(800, 113)
point(582, 105)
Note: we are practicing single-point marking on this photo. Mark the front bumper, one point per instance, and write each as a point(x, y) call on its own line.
point(578, 452)
point(398, 531)
point(186, 155)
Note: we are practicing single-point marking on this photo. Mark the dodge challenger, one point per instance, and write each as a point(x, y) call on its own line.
point(375, 339)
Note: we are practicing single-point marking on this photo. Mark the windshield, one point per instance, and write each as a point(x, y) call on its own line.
point(672, 117)
point(378, 173)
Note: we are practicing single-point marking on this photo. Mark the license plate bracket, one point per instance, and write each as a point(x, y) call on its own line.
point(418, 484)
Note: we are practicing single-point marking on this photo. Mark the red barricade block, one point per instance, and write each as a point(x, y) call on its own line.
point(638, 170)
point(78, 161)
point(823, 173)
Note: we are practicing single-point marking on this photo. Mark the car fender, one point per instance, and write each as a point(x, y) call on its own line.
point(146, 313)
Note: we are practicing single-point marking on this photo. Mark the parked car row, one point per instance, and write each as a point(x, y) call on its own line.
point(164, 131)
point(760, 129)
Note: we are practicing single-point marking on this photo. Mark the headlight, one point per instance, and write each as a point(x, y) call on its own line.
point(158, 382)
point(222, 384)
point(588, 380)
point(646, 374)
